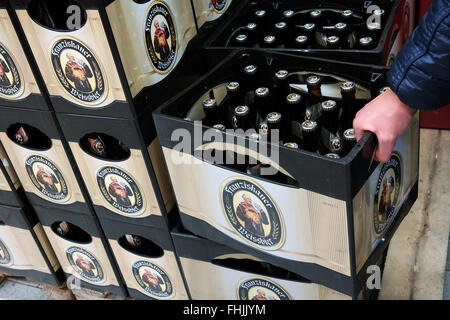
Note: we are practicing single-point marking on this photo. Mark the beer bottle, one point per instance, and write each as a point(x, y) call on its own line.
point(263, 131)
point(384, 89)
point(295, 109)
point(219, 127)
point(373, 29)
point(252, 29)
point(313, 84)
point(269, 41)
point(141, 246)
point(317, 16)
point(71, 232)
point(291, 145)
point(281, 33)
point(262, 101)
point(241, 40)
point(274, 121)
point(333, 42)
point(282, 85)
point(310, 133)
point(63, 229)
point(330, 116)
point(97, 146)
point(262, 19)
point(332, 156)
point(342, 32)
point(21, 136)
point(241, 118)
point(366, 43)
point(288, 18)
point(133, 240)
point(234, 94)
point(309, 30)
point(348, 92)
point(349, 137)
point(301, 42)
point(250, 77)
point(335, 144)
point(347, 14)
point(211, 109)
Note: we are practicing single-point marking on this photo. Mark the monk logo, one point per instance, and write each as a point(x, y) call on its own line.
point(153, 280)
point(121, 191)
point(261, 289)
point(386, 194)
point(160, 37)
point(252, 213)
point(78, 71)
point(47, 178)
point(85, 264)
point(5, 257)
point(11, 84)
point(218, 5)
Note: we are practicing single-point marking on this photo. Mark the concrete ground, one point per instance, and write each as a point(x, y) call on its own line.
point(418, 261)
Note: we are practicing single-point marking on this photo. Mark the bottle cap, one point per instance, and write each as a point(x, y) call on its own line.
point(335, 144)
point(260, 13)
point(241, 111)
point(255, 136)
point(378, 12)
point(291, 145)
point(219, 127)
point(251, 26)
point(233, 86)
point(301, 39)
point(384, 89)
point(350, 135)
point(269, 39)
point(365, 41)
point(251, 69)
point(281, 74)
point(329, 105)
point(309, 26)
point(340, 26)
point(293, 98)
point(273, 117)
point(262, 92)
point(332, 156)
point(348, 86)
point(288, 13)
point(263, 128)
point(281, 25)
point(347, 13)
point(373, 26)
point(309, 126)
point(241, 38)
point(313, 80)
point(315, 13)
point(332, 39)
point(209, 103)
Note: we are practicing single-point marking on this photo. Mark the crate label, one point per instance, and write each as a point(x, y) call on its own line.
point(78, 71)
point(260, 288)
point(153, 279)
point(252, 213)
point(85, 264)
point(11, 83)
point(5, 256)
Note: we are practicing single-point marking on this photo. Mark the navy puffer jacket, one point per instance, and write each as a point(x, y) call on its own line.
point(420, 74)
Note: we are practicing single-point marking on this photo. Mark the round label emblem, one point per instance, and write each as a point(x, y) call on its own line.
point(47, 178)
point(160, 37)
point(252, 213)
point(78, 71)
point(11, 84)
point(153, 280)
point(386, 194)
point(261, 289)
point(5, 256)
point(121, 191)
point(85, 264)
point(219, 5)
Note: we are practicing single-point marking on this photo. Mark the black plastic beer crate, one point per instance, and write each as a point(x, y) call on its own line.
point(397, 23)
point(83, 251)
point(110, 58)
point(147, 260)
point(25, 249)
point(327, 219)
point(240, 276)
point(130, 183)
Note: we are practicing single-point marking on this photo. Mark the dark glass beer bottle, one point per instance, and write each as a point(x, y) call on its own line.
point(71, 232)
point(234, 94)
point(281, 33)
point(241, 40)
point(310, 133)
point(63, 229)
point(373, 30)
point(313, 84)
point(349, 137)
point(134, 241)
point(348, 92)
point(211, 109)
point(330, 116)
point(332, 156)
point(274, 122)
point(282, 85)
point(384, 89)
point(252, 29)
point(333, 42)
point(21, 136)
point(269, 41)
point(262, 19)
point(97, 146)
point(250, 78)
point(295, 109)
point(318, 17)
point(366, 43)
point(301, 42)
point(262, 101)
point(241, 118)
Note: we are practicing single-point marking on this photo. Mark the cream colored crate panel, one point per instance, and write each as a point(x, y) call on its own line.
point(316, 233)
point(24, 254)
point(207, 281)
point(131, 172)
point(133, 23)
point(64, 190)
point(88, 46)
point(12, 51)
point(165, 270)
point(92, 256)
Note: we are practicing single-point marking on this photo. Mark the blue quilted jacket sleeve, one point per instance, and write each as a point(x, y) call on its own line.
point(420, 74)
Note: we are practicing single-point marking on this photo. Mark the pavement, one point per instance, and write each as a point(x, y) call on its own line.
point(418, 261)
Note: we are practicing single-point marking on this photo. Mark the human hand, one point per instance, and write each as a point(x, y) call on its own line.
point(387, 117)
